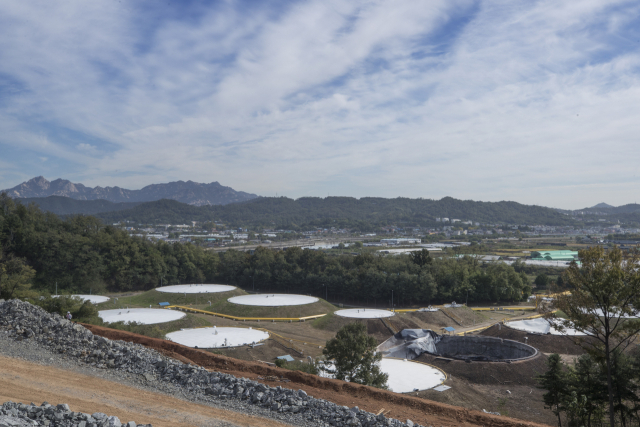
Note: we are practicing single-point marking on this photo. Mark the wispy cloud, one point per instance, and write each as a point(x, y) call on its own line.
point(533, 101)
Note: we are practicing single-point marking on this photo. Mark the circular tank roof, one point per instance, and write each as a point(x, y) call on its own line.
point(144, 316)
point(272, 300)
point(195, 289)
point(217, 337)
point(364, 313)
point(94, 299)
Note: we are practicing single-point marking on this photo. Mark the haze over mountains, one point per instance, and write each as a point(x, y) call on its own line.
point(192, 193)
point(181, 202)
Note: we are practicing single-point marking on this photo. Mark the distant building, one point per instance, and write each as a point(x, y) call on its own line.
point(400, 241)
point(554, 255)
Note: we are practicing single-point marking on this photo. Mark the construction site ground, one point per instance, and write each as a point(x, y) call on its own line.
point(25, 382)
point(401, 406)
point(520, 399)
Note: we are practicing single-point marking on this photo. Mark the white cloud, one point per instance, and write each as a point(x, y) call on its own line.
point(534, 102)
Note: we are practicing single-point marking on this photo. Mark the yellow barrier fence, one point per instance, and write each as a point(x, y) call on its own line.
point(515, 307)
point(237, 318)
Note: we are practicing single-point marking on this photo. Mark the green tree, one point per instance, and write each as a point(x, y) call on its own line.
point(604, 297)
point(421, 258)
point(587, 382)
point(542, 281)
point(15, 276)
point(354, 355)
point(555, 382)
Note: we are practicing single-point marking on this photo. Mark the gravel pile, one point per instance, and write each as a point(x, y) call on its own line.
point(23, 321)
point(21, 415)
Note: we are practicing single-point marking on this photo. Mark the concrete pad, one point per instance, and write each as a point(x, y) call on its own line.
point(195, 289)
point(216, 337)
point(144, 316)
point(273, 300)
point(94, 299)
point(364, 313)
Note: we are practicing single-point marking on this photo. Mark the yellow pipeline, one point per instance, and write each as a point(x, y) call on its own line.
point(517, 307)
point(226, 316)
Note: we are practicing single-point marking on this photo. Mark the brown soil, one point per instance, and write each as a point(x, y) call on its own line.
point(437, 319)
point(368, 398)
point(433, 320)
point(523, 402)
point(544, 343)
point(263, 353)
point(514, 373)
point(27, 382)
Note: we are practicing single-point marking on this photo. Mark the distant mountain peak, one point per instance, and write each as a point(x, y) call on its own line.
point(603, 206)
point(189, 192)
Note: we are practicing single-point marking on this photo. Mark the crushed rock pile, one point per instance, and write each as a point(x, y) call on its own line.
point(24, 321)
point(21, 415)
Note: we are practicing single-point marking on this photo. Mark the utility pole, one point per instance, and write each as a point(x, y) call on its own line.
point(392, 309)
point(56, 288)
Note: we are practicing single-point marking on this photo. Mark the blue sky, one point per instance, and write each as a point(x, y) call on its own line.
point(532, 101)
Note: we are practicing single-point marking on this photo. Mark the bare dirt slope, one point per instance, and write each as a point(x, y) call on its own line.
point(25, 382)
point(370, 399)
point(545, 343)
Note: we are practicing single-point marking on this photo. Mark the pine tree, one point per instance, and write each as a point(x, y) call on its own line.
point(555, 382)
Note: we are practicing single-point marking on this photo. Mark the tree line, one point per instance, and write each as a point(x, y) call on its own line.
point(80, 254)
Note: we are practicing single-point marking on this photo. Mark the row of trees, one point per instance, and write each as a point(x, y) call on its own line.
point(367, 278)
point(579, 393)
point(80, 254)
point(604, 302)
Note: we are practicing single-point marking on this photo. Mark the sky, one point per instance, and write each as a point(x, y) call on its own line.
point(532, 101)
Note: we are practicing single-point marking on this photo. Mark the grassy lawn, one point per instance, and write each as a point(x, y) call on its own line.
point(153, 298)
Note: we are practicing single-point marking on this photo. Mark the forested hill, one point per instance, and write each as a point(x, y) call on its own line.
point(41, 252)
point(365, 213)
point(61, 205)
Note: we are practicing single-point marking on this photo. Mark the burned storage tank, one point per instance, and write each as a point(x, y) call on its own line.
point(411, 343)
point(482, 349)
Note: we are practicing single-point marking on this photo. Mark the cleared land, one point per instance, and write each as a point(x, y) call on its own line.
point(370, 399)
point(473, 386)
point(26, 382)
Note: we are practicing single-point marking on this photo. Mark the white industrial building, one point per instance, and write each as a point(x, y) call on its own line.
point(401, 241)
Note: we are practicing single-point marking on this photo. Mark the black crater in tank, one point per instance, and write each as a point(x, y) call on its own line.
point(483, 349)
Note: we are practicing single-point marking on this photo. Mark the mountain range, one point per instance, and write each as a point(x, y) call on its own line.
point(192, 193)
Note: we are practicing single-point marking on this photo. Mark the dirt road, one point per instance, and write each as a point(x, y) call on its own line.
point(27, 382)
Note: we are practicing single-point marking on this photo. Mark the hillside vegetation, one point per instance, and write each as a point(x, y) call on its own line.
point(81, 255)
point(363, 214)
